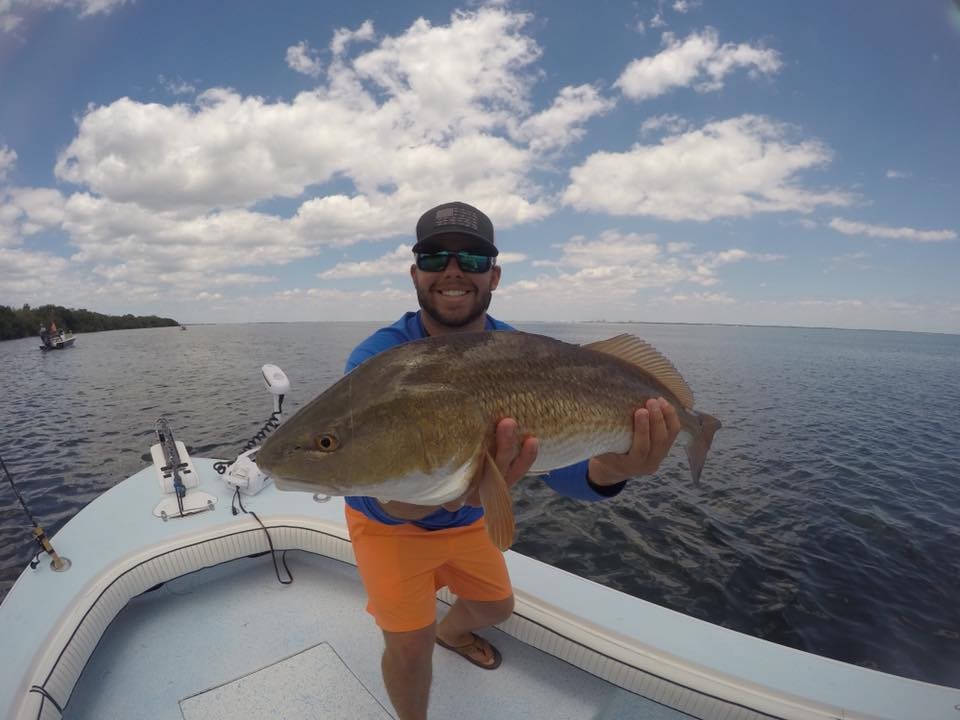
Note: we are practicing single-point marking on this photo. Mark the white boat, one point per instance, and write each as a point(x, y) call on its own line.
point(175, 609)
point(60, 341)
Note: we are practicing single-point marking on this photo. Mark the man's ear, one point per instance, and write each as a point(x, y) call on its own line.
point(495, 277)
point(413, 273)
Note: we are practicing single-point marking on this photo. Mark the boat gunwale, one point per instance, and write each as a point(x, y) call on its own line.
point(527, 609)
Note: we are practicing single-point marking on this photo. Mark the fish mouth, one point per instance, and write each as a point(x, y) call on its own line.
point(300, 468)
point(296, 484)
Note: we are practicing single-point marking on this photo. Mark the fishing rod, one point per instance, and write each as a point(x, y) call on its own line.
point(56, 562)
point(174, 463)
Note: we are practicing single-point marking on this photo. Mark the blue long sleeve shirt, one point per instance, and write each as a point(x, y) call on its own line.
point(571, 481)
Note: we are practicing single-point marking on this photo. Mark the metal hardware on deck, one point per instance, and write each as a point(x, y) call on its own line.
point(177, 478)
point(172, 455)
point(57, 563)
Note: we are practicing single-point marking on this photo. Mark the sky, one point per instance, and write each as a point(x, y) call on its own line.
point(768, 163)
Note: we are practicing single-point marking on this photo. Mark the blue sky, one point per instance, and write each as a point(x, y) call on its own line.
point(761, 163)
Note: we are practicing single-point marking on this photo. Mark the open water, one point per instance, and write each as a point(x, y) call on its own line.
point(827, 519)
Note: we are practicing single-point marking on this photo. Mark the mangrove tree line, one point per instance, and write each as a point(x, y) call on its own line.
point(27, 320)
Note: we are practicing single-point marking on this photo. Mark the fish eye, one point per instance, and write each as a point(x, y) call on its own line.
point(326, 442)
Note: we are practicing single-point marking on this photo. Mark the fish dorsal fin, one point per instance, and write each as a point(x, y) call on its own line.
point(646, 357)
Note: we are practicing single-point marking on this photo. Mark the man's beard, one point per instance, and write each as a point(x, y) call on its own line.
point(450, 319)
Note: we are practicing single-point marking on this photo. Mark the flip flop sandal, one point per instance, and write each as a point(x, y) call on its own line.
point(476, 644)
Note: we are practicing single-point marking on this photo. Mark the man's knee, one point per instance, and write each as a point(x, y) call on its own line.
point(491, 612)
point(413, 647)
point(503, 609)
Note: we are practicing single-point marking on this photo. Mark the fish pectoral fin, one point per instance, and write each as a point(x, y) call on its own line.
point(497, 505)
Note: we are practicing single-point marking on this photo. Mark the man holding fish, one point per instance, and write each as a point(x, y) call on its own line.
point(436, 420)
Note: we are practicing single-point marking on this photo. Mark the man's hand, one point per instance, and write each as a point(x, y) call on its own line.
point(513, 457)
point(655, 427)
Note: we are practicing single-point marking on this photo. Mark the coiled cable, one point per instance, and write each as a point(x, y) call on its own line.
point(272, 423)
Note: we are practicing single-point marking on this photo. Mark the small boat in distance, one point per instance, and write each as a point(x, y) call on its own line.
point(54, 339)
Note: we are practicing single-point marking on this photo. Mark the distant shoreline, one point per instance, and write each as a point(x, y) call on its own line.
point(592, 322)
point(25, 321)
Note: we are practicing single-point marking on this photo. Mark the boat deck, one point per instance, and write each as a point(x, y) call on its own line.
point(307, 650)
point(185, 619)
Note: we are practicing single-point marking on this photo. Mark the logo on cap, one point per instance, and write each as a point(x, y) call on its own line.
point(457, 216)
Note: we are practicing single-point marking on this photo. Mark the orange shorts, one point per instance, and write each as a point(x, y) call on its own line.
point(403, 566)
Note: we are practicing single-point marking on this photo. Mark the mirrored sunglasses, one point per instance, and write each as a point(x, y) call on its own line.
point(469, 262)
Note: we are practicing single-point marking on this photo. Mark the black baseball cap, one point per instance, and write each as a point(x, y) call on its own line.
point(456, 218)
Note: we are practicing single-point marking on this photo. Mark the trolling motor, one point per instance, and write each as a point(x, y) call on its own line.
point(277, 383)
point(243, 473)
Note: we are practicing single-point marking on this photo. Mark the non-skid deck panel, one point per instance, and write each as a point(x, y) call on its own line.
point(314, 683)
point(211, 627)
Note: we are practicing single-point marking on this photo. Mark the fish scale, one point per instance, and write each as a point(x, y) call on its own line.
point(580, 417)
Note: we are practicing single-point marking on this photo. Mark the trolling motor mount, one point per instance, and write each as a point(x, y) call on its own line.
point(177, 477)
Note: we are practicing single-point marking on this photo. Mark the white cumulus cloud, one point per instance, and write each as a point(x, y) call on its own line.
point(730, 168)
point(414, 118)
point(698, 61)
point(612, 265)
point(13, 11)
point(27, 211)
point(706, 264)
point(669, 123)
point(23, 272)
point(304, 60)
point(850, 227)
point(176, 86)
point(617, 274)
point(396, 262)
point(174, 191)
point(685, 6)
point(342, 37)
point(8, 161)
point(560, 124)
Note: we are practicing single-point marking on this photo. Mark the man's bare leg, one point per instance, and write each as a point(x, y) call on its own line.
point(407, 662)
point(466, 616)
point(407, 666)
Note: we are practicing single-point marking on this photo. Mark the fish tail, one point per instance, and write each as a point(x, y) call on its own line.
point(700, 443)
